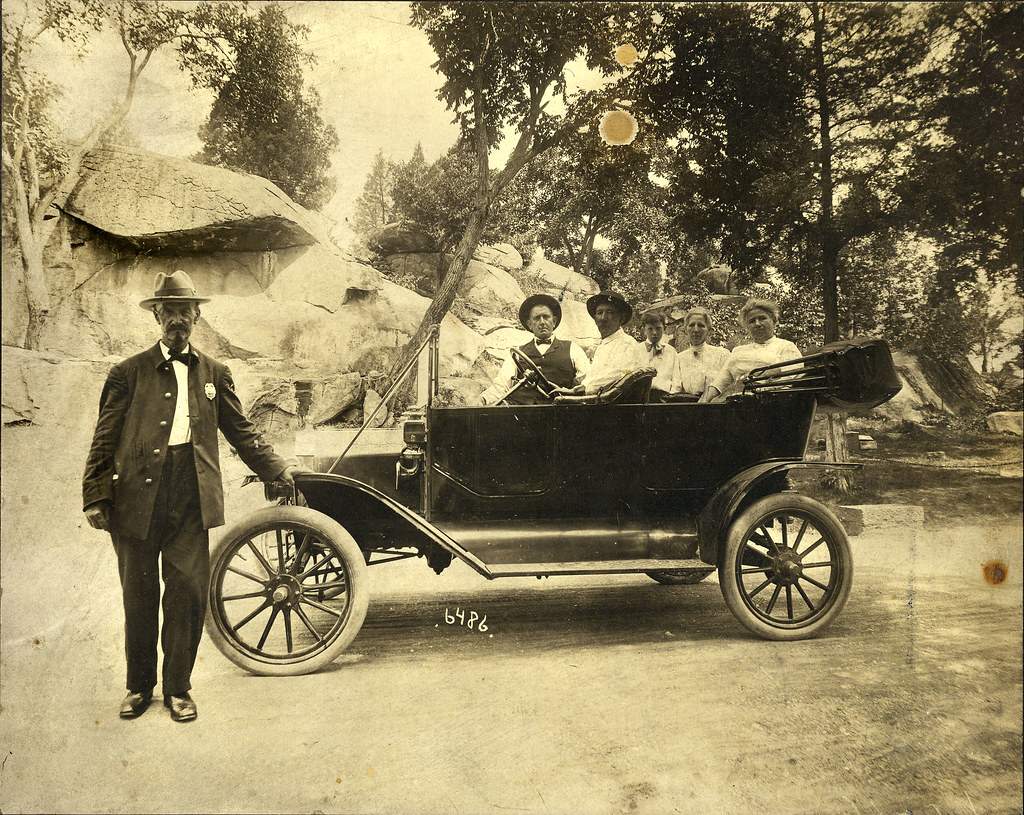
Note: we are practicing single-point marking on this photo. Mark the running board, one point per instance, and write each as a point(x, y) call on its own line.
point(592, 567)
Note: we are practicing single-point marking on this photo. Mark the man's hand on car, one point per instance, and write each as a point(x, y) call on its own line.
point(574, 391)
point(289, 473)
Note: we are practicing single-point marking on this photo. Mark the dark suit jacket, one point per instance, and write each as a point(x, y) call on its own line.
point(130, 442)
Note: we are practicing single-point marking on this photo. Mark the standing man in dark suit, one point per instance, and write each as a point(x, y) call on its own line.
point(153, 481)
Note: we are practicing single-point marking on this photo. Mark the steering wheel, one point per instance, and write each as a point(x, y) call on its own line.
point(532, 374)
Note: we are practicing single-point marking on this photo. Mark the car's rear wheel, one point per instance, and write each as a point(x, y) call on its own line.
point(786, 567)
point(288, 591)
point(680, 577)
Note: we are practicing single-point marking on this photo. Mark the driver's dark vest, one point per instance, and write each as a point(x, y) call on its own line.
point(556, 364)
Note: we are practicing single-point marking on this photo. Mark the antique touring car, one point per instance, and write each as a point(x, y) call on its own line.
point(600, 484)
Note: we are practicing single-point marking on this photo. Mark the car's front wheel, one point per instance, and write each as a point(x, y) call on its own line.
point(786, 567)
point(288, 591)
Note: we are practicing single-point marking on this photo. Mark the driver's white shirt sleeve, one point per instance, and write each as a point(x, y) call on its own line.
point(580, 361)
point(614, 356)
point(502, 382)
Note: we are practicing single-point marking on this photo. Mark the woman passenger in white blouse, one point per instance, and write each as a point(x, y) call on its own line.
point(759, 318)
point(697, 364)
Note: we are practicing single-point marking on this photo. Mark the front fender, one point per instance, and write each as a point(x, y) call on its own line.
point(718, 513)
point(377, 521)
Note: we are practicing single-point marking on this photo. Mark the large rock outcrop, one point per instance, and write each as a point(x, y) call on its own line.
point(543, 275)
point(160, 204)
point(401, 237)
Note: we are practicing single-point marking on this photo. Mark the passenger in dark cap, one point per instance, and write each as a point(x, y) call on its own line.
point(617, 353)
point(562, 362)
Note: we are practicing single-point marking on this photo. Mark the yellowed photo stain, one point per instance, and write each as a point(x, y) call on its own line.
point(626, 54)
point(994, 572)
point(618, 127)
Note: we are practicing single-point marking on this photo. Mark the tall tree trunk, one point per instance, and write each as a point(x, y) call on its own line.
point(31, 208)
point(453, 275)
point(445, 295)
point(835, 423)
point(37, 294)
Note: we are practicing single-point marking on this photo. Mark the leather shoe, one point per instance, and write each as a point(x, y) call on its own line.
point(135, 704)
point(182, 708)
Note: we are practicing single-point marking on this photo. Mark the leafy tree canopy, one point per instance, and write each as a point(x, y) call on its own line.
point(264, 120)
point(964, 188)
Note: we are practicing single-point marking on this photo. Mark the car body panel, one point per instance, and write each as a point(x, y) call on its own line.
point(533, 489)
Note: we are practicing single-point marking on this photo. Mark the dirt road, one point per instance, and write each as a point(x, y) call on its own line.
point(584, 695)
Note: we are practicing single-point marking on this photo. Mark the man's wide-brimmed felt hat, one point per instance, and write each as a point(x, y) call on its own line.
point(615, 299)
point(176, 287)
point(540, 300)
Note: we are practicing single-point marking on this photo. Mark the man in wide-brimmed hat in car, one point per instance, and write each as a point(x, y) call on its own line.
point(617, 353)
point(562, 362)
point(153, 481)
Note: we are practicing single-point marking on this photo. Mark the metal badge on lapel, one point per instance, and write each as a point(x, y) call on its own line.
point(210, 390)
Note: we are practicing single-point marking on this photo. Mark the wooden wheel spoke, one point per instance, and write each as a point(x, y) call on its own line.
point(784, 526)
point(775, 597)
point(789, 601)
point(280, 547)
point(300, 553)
point(814, 582)
point(316, 565)
point(288, 630)
point(812, 547)
point(810, 605)
point(768, 536)
point(318, 605)
point(266, 631)
point(263, 561)
point(800, 534)
point(819, 565)
point(249, 617)
point(246, 575)
point(763, 538)
point(320, 589)
point(324, 575)
point(309, 624)
point(247, 596)
point(761, 587)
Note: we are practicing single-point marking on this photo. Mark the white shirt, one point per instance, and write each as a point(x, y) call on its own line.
point(696, 367)
point(503, 381)
point(614, 356)
point(181, 427)
point(661, 357)
point(744, 358)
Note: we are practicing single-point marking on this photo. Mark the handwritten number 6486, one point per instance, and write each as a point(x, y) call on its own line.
point(460, 617)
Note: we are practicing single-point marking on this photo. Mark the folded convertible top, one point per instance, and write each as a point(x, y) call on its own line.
point(854, 374)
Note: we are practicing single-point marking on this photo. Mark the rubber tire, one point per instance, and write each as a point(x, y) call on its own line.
point(354, 562)
point(680, 577)
point(738, 532)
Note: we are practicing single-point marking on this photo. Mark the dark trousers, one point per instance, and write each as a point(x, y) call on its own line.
point(177, 538)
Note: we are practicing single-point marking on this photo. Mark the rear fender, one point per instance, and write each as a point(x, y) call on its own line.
point(377, 521)
point(739, 491)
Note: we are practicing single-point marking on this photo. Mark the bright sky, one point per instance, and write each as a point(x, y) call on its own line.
point(373, 74)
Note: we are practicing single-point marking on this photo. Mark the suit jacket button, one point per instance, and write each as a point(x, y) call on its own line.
point(114, 478)
point(163, 424)
point(156, 452)
point(167, 395)
point(149, 480)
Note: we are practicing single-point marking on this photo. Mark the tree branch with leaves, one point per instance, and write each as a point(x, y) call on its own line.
point(504, 66)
